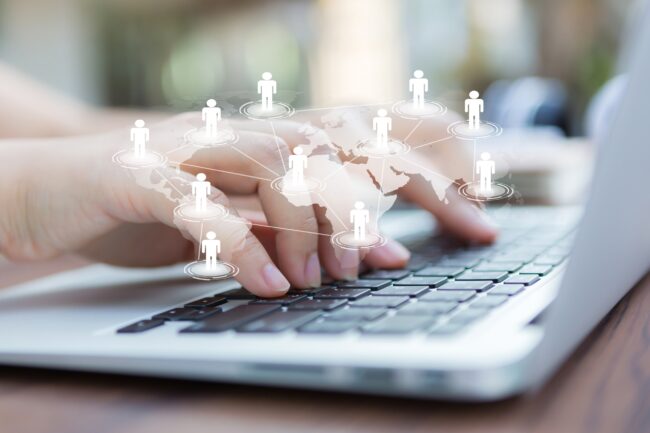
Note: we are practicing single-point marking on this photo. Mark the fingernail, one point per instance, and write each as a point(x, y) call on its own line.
point(274, 278)
point(349, 262)
point(349, 259)
point(488, 225)
point(396, 251)
point(312, 271)
point(392, 254)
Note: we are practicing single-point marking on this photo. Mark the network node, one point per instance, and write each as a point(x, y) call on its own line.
point(286, 186)
point(189, 212)
point(200, 138)
point(256, 110)
point(370, 149)
point(128, 159)
point(463, 130)
point(409, 110)
point(199, 270)
point(498, 191)
point(347, 240)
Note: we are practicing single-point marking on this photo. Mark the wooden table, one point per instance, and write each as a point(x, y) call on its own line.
point(604, 387)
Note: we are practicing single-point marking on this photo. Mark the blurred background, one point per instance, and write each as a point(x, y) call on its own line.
point(171, 54)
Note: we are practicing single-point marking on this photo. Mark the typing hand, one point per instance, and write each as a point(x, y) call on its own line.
point(67, 195)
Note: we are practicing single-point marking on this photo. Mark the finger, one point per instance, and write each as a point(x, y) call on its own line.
point(134, 203)
point(258, 155)
point(453, 212)
point(339, 263)
point(331, 205)
point(391, 255)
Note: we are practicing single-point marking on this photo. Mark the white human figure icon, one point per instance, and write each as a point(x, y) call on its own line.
point(485, 169)
point(139, 137)
point(211, 247)
point(382, 124)
point(201, 190)
point(298, 164)
point(267, 88)
point(359, 217)
point(419, 86)
point(474, 107)
point(211, 115)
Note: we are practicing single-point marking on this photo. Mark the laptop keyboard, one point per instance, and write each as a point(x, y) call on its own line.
point(445, 288)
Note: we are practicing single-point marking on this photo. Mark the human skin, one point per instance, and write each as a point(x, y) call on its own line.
point(61, 193)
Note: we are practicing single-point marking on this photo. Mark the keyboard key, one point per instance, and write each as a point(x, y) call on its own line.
point(237, 294)
point(446, 329)
point(398, 325)
point(357, 314)
point(210, 301)
point(469, 315)
point(318, 304)
point(201, 314)
point(549, 260)
point(448, 296)
point(427, 308)
point(335, 293)
point(287, 299)
point(439, 271)
point(460, 262)
point(536, 269)
point(482, 276)
point(498, 266)
point(417, 262)
point(421, 281)
point(466, 254)
point(522, 279)
point(141, 326)
point(514, 257)
point(506, 289)
point(174, 314)
point(364, 284)
point(328, 327)
point(402, 291)
point(489, 301)
point(382, 274)
point(380, 301)
point(280, 321)
point(312, 291)
point(466, 285)
point(233, 318)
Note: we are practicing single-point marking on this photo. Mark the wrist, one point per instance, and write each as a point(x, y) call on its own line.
point(17, 181)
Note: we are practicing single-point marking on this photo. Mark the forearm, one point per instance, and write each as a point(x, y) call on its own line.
point(30, 109)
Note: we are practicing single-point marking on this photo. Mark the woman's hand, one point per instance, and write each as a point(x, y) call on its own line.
point(66, 195)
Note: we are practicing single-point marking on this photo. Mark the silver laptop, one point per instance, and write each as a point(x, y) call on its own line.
point(462, 322)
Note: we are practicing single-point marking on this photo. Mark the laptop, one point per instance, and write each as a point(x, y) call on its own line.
point(468, 323)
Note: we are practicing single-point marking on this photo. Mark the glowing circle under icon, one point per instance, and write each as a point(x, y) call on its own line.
point(346, 240)
point(198, 137)
point(464, 132)
point(286, 186)
point(472, 191)
point(128, 159)
point(200, 271)
point(370, 149)
point(254, 110)
point(189, 212)
point(408, 110)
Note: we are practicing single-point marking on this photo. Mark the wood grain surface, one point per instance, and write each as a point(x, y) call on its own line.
point(604, 387)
